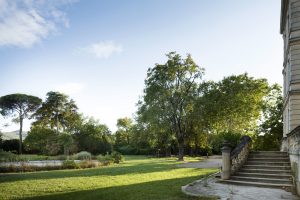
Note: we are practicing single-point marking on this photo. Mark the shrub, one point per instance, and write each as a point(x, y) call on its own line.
point(7, 156)
point(105, 160)
point(114, 157)
point(218, 139)
point(60, 157)
point(69, 164)
point(83, 155)
point(117, 157)
point(88, 164)
point(10, 145)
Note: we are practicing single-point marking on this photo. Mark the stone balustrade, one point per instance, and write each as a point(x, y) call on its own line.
point(234, 160)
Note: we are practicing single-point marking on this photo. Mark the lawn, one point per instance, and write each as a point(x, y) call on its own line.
point(138, 178)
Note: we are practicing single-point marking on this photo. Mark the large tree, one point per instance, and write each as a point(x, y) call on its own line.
point(58, 112)
point(233, 104)
point(19, 106)
point(170, 90)
point(269, 133)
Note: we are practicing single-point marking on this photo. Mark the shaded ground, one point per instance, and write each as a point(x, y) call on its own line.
point(209, 188)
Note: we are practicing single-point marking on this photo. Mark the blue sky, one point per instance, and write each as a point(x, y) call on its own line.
point(98, 51)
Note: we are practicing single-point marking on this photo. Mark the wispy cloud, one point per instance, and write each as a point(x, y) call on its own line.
point(24, 23)
point(103, 49)
point(70, 88)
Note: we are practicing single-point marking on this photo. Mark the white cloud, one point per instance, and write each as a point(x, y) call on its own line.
point(70, 88)
point(25, 23)
point(103, 49)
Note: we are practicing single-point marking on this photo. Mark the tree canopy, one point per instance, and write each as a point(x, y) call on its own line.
point(19, 106)
point(170, 89)
point(57, 112)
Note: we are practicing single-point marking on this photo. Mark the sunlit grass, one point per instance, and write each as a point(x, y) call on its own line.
point(137, 178)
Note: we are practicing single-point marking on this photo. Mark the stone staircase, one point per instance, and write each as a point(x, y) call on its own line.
point(265, 169)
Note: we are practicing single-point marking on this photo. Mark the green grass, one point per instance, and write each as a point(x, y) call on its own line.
point(138, 178)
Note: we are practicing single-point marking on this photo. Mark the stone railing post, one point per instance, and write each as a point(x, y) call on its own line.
point(226, 161)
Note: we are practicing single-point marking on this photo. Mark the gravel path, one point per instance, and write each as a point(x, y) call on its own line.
point(211, 162)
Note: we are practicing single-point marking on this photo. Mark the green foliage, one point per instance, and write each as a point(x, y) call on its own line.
point(67, 142)
point(114, 157)
point(70, 164)
point(269, 133)
point(19, 106)
point(117, 157)
point(87, 164)
point(169, 96)
point(40, 140)
point(232, 104)
point(94, 137)
point(58, 112)
point(83, 155)
point(7, 156)
point(10, 145)
point(218, 139)
point(105, 160)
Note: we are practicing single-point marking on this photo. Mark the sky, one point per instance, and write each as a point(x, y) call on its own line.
point(98, 51)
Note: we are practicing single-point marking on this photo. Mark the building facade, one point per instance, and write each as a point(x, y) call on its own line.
point(290, 30)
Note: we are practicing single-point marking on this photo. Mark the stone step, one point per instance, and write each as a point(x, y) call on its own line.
point(269, 159)
point(261, 180)
point(267, 167)
point(269, 152)
point(287, 187)
point(266, 156)
point(268, 163)
point(266, 171)
point(262, 175)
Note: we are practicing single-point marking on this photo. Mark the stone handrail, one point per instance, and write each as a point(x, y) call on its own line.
point(240, 154)
point(233, 160)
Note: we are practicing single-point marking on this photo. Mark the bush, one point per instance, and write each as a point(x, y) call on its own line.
point(70, 164)
point(10, 145)
point(105, 160)
point(88, 164)
point(218, 139)
point(83, 155)
point(7, 156)
point(117, 157)
point(114, 157)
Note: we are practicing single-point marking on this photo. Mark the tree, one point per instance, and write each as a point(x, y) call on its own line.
point(21, 104)
point(170, 89)
point(93, 137)
point(124, 131)
point(38, 140)
point(269, 133)
point(233, 104)
point(58, 112)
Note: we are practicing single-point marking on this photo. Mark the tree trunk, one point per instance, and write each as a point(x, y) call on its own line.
point(20, 134)
point(56, 123)
point(180, 149)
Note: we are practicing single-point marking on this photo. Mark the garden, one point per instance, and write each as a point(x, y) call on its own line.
point(138, 177)
point(66, 155)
